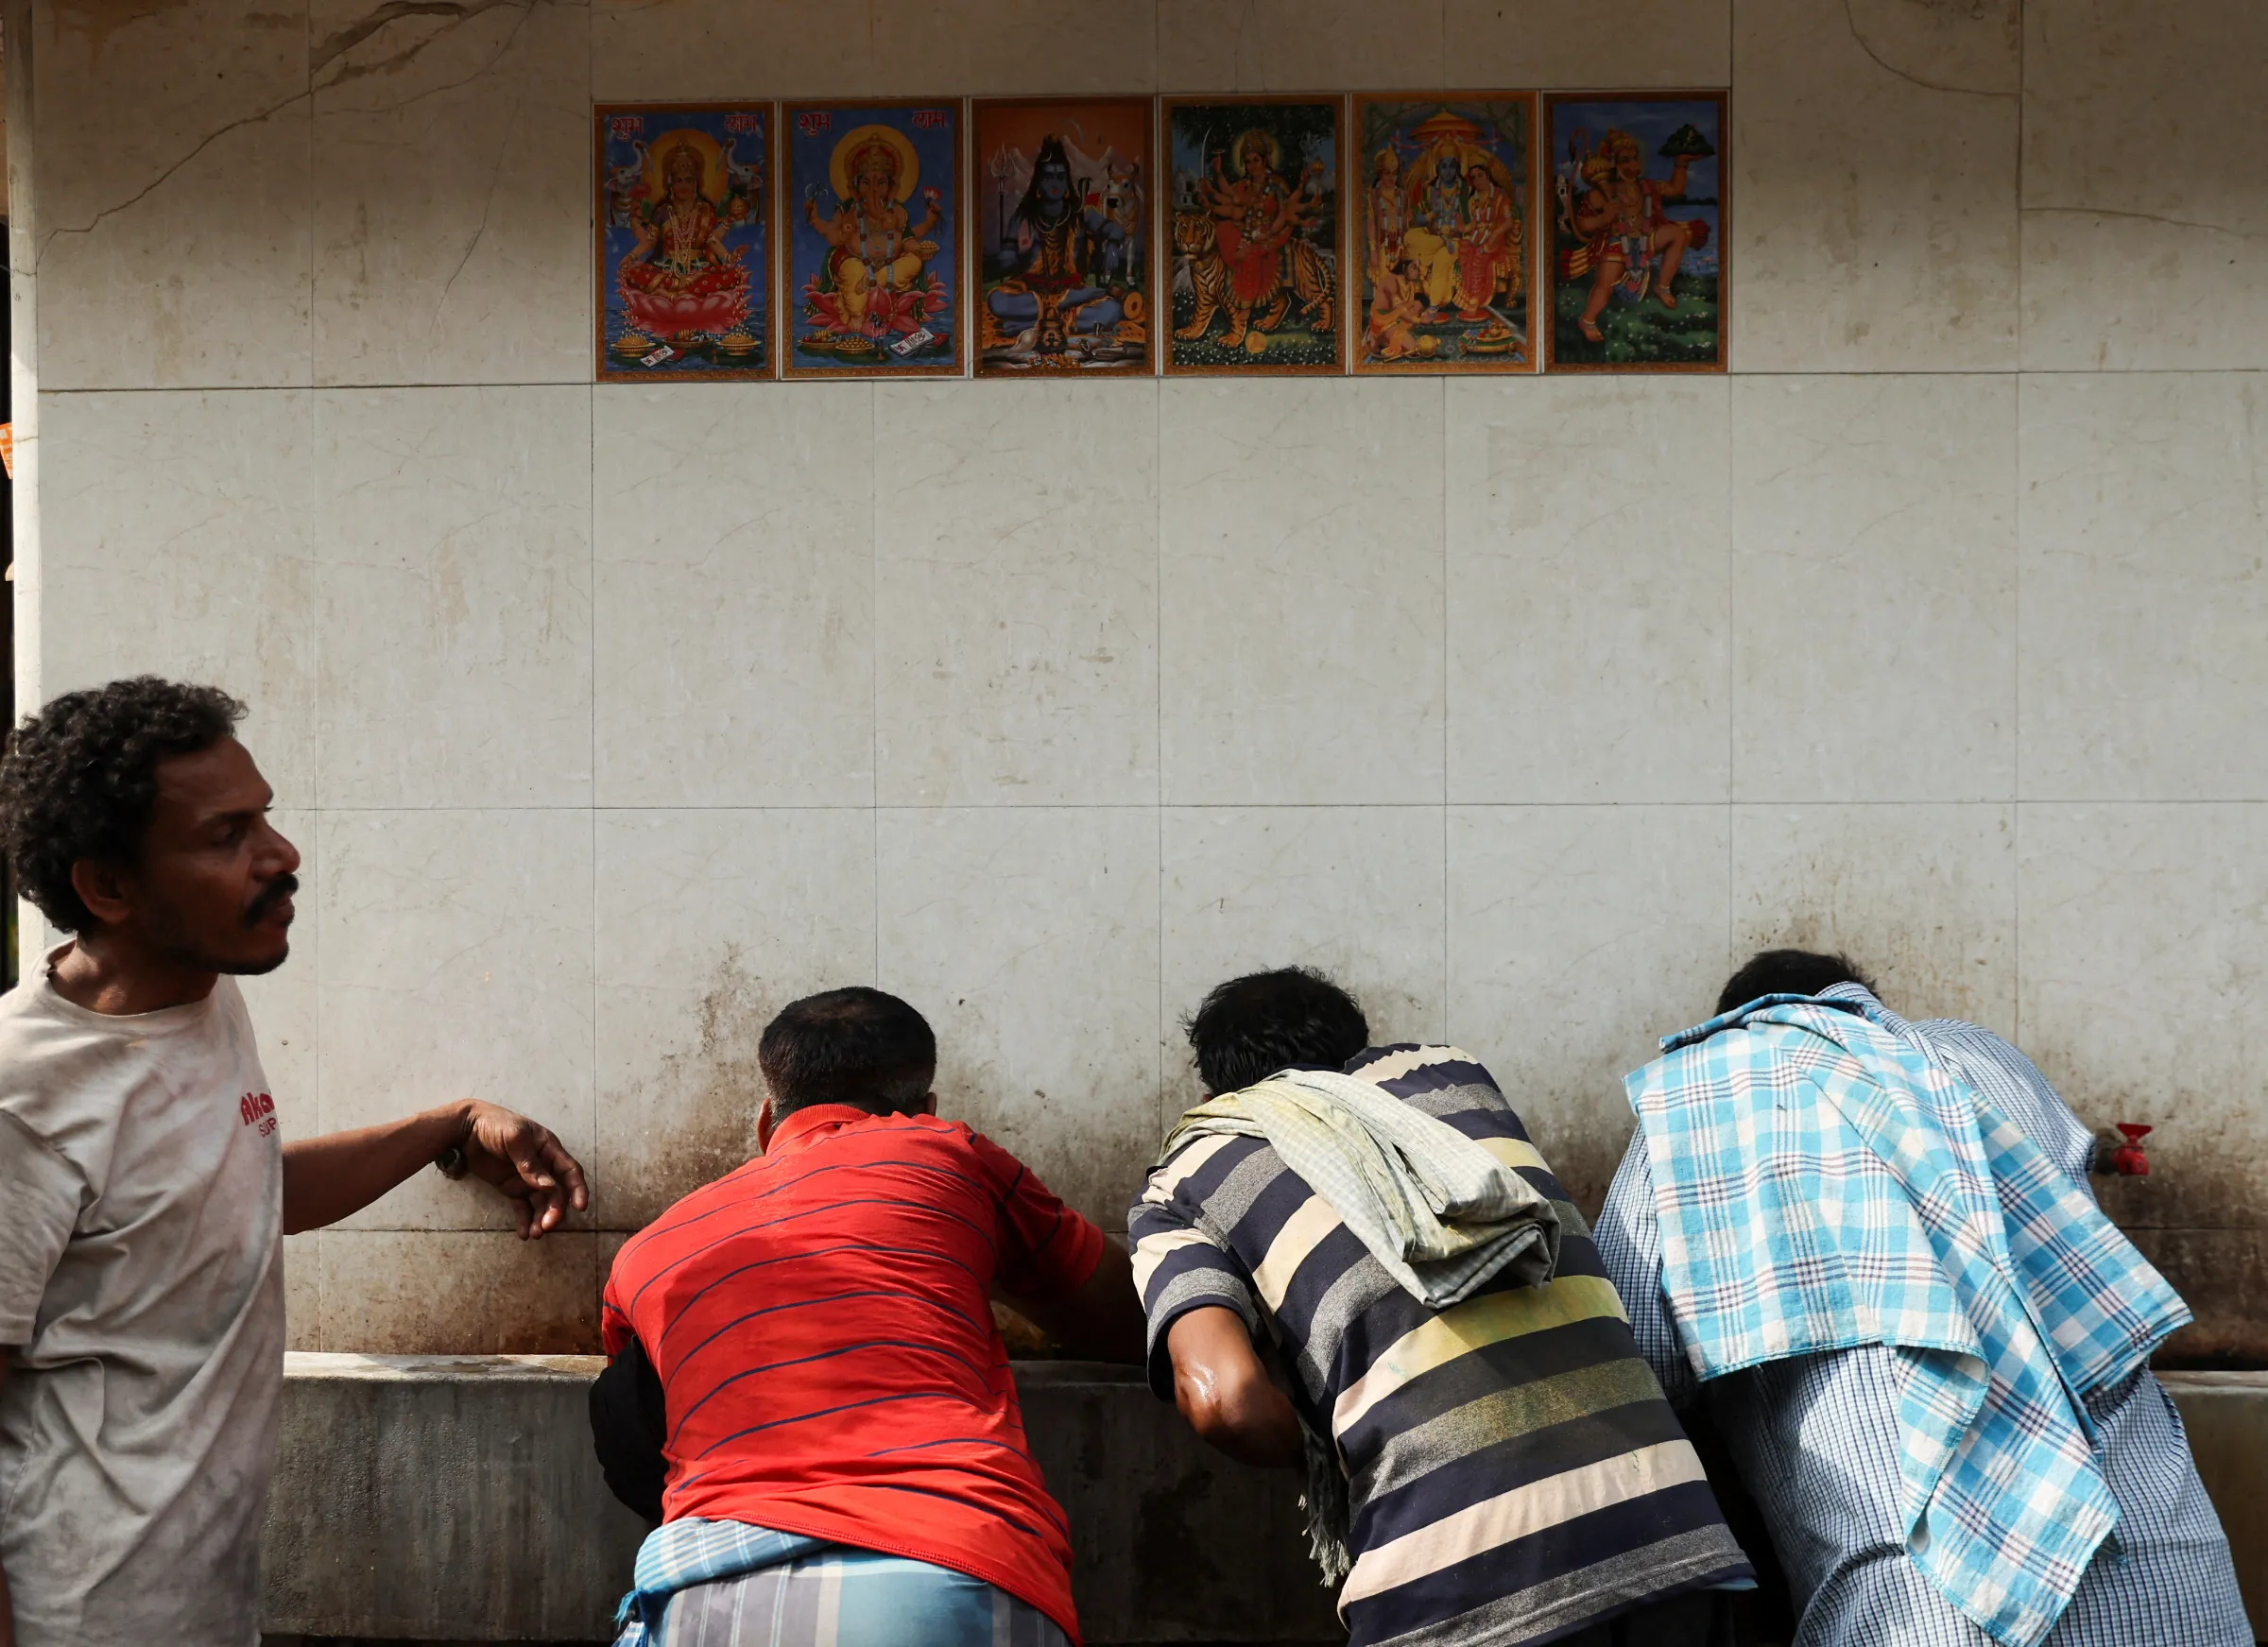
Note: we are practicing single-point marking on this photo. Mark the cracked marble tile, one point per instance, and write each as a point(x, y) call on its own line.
point(989, 48)
point(709, 922)
point(1559, 45)
point(1028, 936)
point(1302, 647)
point(454, 531)
point(1874, 591)
point(1874, 210)
point(1578, 935)
point(456, 963)
point(659, 50)
point(172, 247)
point(2145, 616)
point(735, 595)
point(176, 540)
point(452, 191)
point(2145, 943)
point(1922, 897)
point(1298, 45)
point(2145, 227)
point(1354, 891)
point(1589, 589)
point(1016, 602)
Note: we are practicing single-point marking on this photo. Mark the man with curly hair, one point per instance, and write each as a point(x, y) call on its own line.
point(143, 1187)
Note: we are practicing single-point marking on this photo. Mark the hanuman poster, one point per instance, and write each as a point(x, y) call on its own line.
point(1062, 215)
point(1448, 186)
point(871, 280)
point(684, 241)
point(1638, 207)
point(1256, 234)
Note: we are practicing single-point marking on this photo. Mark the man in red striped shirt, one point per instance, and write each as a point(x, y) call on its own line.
point(845, 1452)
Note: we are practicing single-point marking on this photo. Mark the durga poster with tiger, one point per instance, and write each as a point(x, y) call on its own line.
point(684, 241)
point(1255, 221)
point(1446, 184)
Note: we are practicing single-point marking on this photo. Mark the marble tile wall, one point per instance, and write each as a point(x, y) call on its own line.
point(609, 719)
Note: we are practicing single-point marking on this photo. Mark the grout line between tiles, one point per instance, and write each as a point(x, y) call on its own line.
point(223, 389)
point(1732, 652)
point(1158, 1101)
point(2016, 695)
point(874, 652)
point(1309, 805)
point(591, 585)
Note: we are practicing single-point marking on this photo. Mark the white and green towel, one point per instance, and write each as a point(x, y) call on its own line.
point(1440, 1213)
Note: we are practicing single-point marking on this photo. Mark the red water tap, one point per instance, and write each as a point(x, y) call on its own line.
point(2128, 1160)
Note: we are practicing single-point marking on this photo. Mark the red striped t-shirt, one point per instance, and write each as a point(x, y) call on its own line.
point(821, 1324)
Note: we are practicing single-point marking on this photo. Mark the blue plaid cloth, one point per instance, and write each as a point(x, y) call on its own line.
point(1821, 1183)
point(678, 1555)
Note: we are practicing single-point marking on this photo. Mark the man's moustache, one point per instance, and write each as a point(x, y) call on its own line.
point(281, 887)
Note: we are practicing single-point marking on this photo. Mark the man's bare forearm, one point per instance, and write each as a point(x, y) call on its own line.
point(1222, 1388)
point(331, 1177)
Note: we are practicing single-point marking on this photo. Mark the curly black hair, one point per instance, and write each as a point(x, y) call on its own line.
point(1250, 1028)
point(81, 779)
point(1789, 973)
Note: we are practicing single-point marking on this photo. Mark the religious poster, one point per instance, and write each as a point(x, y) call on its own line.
point(1064, 277)
point(1636, 267)
point(871, 279)
point(684, 241)
point(1254, 226)
point(1447, 184)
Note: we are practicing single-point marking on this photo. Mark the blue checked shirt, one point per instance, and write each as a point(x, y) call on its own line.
point(1836, 1429)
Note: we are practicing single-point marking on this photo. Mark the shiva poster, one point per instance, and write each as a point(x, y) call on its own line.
point(872, 282)
point(1256, 233)
point(1062, 191)
point(1448, 186)
point(684, 241)
point(1638, 246)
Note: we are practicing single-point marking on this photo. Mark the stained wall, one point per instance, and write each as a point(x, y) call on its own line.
point(612, 718)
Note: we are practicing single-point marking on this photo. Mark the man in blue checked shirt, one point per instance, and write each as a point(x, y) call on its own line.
point(1867, 1247)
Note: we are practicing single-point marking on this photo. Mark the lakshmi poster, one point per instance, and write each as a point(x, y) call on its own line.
point(684, 241)
point(1447, 195)
point(872, 282)
point(1254, 219)
point(1638, 216)
point(1062, 190)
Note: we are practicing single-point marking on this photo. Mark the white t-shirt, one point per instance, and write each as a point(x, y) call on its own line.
point(141, 1307)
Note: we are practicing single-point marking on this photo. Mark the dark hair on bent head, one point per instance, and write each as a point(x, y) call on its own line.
point(853, 1046)
point(1789, 973)
point(81, 779)
point(1250, 1028)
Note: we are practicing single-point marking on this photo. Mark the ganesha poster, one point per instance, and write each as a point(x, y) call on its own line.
point(684, 241)
point(1061, 193)
point(870, 283)
point(1445, 248)
point(1637, 256)
point(1253, 224)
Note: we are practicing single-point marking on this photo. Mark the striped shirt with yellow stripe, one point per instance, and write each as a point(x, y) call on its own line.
point(1514, 1472)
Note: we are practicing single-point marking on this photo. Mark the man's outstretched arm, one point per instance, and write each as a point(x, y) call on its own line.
point(1225, 1392)
point(327, 1178)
